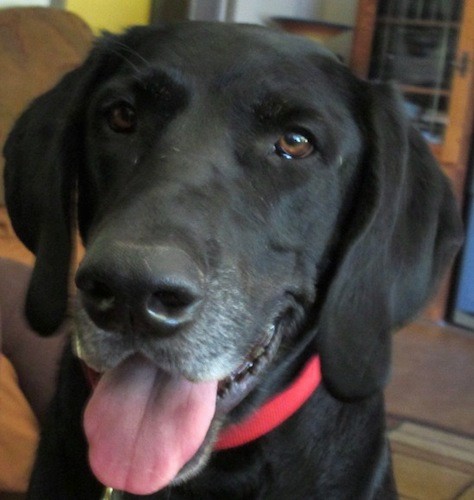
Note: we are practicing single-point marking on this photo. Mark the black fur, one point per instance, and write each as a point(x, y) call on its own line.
point(341, 247)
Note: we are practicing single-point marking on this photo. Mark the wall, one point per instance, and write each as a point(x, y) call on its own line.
point(336, 11)
point(342, 12)
point(111, 15)
point(259, 11)
point(339, 11)
point(252, 11)
point(114, 15)
point(22, 3)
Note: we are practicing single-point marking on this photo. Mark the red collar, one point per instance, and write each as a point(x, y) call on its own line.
point(275, 411)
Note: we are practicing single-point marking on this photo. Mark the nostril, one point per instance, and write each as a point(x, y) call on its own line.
point(172, 306)
point(129, 288)
point(173, 300)
point(99, 294)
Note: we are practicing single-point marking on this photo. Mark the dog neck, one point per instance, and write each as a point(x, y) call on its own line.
point(275, 411)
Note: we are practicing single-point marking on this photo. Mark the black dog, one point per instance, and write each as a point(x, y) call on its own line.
point(245, 204)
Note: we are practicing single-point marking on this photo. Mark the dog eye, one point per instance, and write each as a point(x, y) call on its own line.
point(294, 145)
point(122, 118)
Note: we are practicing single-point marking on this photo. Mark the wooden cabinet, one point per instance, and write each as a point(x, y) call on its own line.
point(427, 47)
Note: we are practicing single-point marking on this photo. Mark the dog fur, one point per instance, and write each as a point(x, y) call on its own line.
point(166, 142)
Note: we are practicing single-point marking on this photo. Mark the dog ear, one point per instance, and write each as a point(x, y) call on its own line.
point(405, 232)
point(42, 154)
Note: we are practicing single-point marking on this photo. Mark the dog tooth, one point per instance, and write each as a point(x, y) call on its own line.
point(248, 366)
point(254, 368)
point(259, 351)
point(241, 375)
point(222, 391)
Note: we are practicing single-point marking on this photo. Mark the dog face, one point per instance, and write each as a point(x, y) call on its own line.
point(240, 196)
point(224, 211)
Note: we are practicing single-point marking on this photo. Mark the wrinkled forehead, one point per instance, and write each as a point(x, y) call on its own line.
point(222, 53)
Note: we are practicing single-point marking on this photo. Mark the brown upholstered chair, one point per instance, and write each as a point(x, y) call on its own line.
point(37, 46)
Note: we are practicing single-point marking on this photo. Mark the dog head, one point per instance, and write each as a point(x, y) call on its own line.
point(240, 195)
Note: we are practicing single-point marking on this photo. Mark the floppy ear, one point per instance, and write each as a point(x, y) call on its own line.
point(405, 231)
point(43, 153)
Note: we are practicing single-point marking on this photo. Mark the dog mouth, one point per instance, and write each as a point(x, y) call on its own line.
point(147, 428)
point(236, 386)
point(233, 388)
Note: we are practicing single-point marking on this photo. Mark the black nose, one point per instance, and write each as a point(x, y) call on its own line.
point(145, 289)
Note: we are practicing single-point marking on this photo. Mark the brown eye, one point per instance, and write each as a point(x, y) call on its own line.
point(293, 145)
point(122, 118)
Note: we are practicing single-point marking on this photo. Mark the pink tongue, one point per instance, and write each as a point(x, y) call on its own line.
point(143, 425)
